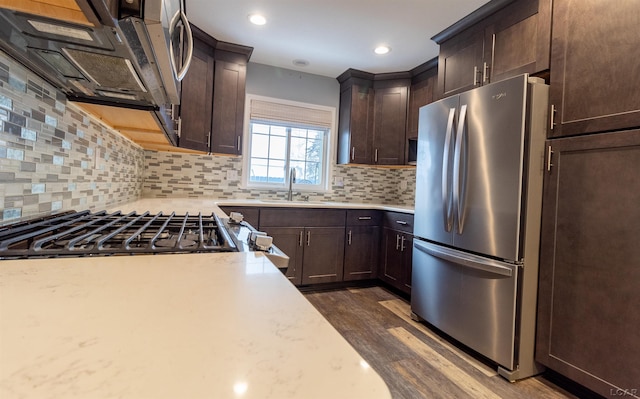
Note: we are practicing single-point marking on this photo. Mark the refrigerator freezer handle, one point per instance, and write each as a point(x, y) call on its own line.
point(465, 259)
point(459, 169)
point(447, 208)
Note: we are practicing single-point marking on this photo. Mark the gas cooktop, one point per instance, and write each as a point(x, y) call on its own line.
point(75, 234)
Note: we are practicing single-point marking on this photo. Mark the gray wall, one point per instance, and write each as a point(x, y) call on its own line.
point(287, 84)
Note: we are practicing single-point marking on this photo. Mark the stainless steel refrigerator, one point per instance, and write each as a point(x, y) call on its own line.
point(479, 175)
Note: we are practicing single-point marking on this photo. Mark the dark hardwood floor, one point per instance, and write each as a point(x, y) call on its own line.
point(414, 361)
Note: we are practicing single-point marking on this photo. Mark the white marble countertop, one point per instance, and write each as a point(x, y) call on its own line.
point(225, 325)
point(181, 205)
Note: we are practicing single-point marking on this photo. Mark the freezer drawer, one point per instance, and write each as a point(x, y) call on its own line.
point(470, 298)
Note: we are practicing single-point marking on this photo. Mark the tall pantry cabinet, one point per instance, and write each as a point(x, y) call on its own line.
point(588, 319)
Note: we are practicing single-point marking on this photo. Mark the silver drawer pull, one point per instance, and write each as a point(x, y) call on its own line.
point(364, 217)
point(402, 222)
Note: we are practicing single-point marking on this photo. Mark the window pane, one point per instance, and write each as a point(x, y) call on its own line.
point(314, 150)
point(278, 148)
point(258, 171)
point(260, 146)
point(276, 172)
point(279, 131)
point(295, 132)
point(259, 128)
point(298, 149)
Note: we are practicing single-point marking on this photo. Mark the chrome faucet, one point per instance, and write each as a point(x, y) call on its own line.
point(292, 179)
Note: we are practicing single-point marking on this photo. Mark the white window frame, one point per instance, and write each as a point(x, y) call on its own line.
point(328, 153)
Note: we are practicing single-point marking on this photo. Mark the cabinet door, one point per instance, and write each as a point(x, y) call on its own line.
point(595, 61)
point(389, 125)
point(196, 100)
point(356, 112)
point(228, 107)
point(421, 94)
point(518, 40)
point(391, 267)
point(323, 255)
point(460, 62)
point(361, 252)
point(588, 320)
point(290, 240)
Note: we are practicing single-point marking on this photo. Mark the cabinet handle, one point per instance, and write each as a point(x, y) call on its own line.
point(353, 153)
point(402, 244)
point(552, 117)
point(485, 73)
point(475, 76)
point(402, 222)
point(308, 238)
point(349, 237)
point(179, 129)
point(375, 159)
point(549, 164)
point(397, 242)
point(238, 144)
point(300, 239)
point(364, 217)
point(209, 139)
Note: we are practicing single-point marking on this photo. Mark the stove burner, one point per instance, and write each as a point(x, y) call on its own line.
point(95, 234)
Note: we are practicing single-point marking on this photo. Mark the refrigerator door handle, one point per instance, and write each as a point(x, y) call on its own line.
point(465, 259)
point(459, 169)
point(447, 206)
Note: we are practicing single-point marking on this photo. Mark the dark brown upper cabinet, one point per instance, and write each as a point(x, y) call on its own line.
point(373, 117)
point(424, 79)
point(355, 142)
point(213, 94)
point(500, 40)
point(390, 121)
point(595, 67)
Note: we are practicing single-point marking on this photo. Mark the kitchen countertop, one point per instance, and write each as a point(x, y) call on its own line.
point(224, 325)
point(181, 205)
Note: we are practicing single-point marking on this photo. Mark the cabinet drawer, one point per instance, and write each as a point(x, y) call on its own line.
point(399, 221)
point(297, 217)
point(363, 217)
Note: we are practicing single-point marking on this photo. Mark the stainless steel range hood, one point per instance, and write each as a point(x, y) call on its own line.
point(120, 53)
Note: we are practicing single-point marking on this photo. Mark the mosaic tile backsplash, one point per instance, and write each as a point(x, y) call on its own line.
point(192, 175)
point(53, 156)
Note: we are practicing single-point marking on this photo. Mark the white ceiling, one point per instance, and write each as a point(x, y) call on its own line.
point(332, 35)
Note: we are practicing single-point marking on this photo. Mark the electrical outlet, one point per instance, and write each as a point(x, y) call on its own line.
point(338, 181)
point(403, 185)
point(232, 174)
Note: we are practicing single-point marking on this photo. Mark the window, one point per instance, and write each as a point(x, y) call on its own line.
point(288, 135)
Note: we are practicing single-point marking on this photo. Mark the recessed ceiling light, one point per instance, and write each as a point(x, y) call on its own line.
point(382, 49)
point(300, 63)
point(257, 19)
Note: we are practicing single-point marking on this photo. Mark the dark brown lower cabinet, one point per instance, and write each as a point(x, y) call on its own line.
point(589, 292)
point(323, 257)
point(290, 241)
point(315, 253)
point(312, 238)
point(361, 252)
point(396, 258)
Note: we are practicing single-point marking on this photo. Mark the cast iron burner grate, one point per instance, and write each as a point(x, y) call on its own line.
point(76, 234)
